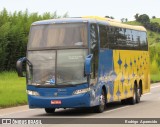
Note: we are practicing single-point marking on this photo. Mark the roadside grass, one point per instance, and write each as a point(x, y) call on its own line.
point(12, 90)
point(155, 20)
point(155, 77)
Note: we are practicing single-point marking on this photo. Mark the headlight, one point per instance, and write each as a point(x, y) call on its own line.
point(81, 91)
point(34, 93)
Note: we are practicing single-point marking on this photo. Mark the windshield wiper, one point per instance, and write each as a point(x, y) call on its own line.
point(55, 86)
point(70, 83)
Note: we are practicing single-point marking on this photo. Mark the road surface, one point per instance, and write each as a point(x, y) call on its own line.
point(149, 107)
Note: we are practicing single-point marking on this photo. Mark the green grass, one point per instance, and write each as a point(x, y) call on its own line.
point(155, 20)
point(155, 77)
point(12, 90)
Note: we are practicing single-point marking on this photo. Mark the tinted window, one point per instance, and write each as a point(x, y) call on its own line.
point(122, 38)
point(103, 36)
point(93, 35)
point(112, 37)
point(143, 41)
point(136, 39)
point(53, 35)
point(94, 49)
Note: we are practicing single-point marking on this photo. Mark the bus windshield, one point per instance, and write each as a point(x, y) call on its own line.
point(58, 35)
point(65, 68)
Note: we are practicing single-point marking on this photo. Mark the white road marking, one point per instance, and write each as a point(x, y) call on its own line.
point(117, 109)
point(151, 88)
point(155, 87)
point(147, 94)
point(17, 112)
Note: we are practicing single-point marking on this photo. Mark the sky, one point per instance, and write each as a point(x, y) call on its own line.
point(117, 8)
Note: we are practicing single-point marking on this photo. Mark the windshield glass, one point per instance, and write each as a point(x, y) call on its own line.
point(43, 66)
point(55, 35)
point(70, 66)
point(65, 68)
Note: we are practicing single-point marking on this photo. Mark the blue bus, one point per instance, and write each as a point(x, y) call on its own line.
point(84, 62)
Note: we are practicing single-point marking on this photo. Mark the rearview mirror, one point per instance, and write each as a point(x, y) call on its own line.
point(87, 66)
point(19, 66)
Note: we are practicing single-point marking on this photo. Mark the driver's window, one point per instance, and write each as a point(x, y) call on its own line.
point(94, 51)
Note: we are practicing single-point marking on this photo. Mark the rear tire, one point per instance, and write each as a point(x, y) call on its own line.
point(135, 98)
point(50, 110)
point(138, 95)
point(101, 107)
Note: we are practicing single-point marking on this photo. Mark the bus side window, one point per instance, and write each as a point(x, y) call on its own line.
point(103, 36)
point(94, 50)
point(143, 41)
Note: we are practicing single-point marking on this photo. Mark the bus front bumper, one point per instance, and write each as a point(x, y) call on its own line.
point(73, 101)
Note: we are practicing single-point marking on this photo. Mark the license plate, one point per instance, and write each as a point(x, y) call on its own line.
point(56, 102)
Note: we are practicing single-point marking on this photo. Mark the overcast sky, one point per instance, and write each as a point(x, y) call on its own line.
point(117, 8)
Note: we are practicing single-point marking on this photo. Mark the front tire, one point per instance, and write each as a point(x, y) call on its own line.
point(50, 110)
point(101, 107)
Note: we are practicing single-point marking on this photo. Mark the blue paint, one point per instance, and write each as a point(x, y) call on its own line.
point(119, 60)
point(88, 64)
point(118, 93)
point(64, 94)
point(131, 89)
point(107, 74)
point(122, 79)
point(126, 65)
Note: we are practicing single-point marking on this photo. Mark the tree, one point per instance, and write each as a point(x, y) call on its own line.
point(144, 19)
point(14, 30)
point(122, 20)
point(153, 17)
point(111, 17)
point(136, 16)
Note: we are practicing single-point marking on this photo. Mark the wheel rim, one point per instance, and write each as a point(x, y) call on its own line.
point(102, 101)
point(134, 96)
point(138, 95)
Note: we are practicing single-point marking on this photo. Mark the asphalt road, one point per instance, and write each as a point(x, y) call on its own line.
point(149, 107)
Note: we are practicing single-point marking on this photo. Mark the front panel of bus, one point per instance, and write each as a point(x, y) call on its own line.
point(57, 53)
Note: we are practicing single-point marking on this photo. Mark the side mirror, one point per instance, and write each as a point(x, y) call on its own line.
point(88, 64)
point(19, 66)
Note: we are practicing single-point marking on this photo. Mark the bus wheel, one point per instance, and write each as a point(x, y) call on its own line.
point(100, 108)
point(50, 110)
point(133, 99)
point(138, 95)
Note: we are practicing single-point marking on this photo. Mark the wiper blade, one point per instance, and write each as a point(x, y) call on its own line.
point(70, 83)
point(55, 86)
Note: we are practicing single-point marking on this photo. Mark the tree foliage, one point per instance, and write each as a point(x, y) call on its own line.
point(145, 20)
point(14, 30)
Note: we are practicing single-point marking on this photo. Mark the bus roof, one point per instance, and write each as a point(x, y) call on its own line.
point(109, 21)
point(116, 23)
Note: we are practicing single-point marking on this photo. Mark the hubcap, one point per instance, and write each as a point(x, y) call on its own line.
point(134, 95)
point(138, 92)
point(102, 100)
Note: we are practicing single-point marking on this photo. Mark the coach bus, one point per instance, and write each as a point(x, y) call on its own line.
point(85, 62)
